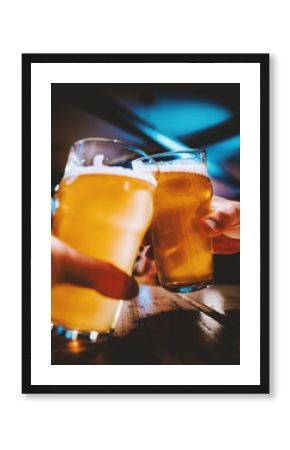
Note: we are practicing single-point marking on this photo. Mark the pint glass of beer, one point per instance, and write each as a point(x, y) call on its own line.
point(183, 196)
point(103, 209)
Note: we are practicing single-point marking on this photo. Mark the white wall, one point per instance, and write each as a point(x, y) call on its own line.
point(79, 422)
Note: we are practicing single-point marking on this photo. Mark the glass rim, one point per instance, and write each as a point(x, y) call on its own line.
point(194, 151)
point(200, 150)
point(125, 152)
point(109, 141)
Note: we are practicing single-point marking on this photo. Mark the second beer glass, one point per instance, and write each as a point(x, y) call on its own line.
point(183, 253)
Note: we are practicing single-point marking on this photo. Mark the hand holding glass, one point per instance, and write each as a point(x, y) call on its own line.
point(104, 208)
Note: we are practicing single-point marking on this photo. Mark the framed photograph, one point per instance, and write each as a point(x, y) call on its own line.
point(145, 224)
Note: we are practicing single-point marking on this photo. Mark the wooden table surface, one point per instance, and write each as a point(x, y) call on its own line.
point(160, 327)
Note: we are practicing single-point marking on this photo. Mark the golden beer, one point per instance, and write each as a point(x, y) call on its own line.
point(183, 254)
point(103, 213)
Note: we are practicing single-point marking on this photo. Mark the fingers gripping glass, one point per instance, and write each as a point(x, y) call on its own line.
point(104, 207)
point(183, 196)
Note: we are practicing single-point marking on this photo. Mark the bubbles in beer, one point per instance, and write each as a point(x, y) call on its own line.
point(183, 255)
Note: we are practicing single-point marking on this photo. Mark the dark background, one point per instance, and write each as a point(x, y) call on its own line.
point(156, 117)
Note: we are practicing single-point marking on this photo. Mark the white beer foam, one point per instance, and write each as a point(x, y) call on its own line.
point(193, 167)
point(174, 166)
point(100, 169)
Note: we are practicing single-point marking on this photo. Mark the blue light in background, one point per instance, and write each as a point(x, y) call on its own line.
point(181, 117)
point(52, 208)
point(172, 144)
point(219, 152)
point(168, 143)
point(224, 149)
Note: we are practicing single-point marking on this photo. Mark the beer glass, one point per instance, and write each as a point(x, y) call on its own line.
point(103, 208)
point(183, 253)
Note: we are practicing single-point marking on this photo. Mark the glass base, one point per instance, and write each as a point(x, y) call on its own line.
point(185, 288)
point(91, 336)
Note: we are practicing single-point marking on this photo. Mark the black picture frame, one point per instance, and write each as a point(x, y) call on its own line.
point(263, 61)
